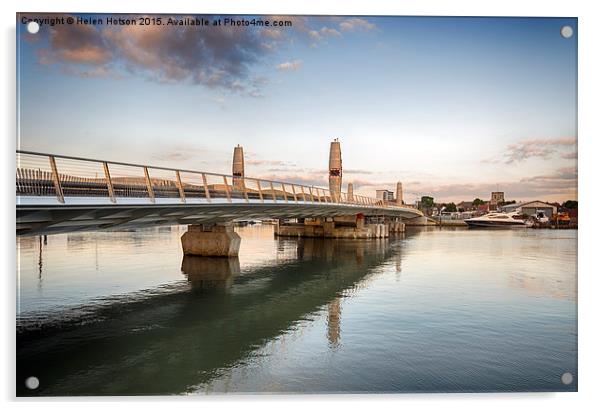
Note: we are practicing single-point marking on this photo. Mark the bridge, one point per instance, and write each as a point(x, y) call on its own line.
point(58, 194)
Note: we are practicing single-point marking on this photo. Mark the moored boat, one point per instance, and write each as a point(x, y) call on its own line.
point(499, 220)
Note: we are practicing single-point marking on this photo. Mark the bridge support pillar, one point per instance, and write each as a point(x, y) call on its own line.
point(346, 226)
point(217, 240)
point(396, 226)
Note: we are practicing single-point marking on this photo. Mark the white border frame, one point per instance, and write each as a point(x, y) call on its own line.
point(590, 33)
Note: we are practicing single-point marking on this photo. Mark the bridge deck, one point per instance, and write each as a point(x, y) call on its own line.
point(64, 194)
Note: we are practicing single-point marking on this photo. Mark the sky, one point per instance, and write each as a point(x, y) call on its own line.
point(452, 107)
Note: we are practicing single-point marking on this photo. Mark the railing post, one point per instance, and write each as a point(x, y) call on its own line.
point(284, 192)
point(207, 194)
point(105, 166)
point(259, 190)
point(227, 189)
point(273, 193)
point(180, 187)
point(294, 192)
point(319, 197)
point(57, 182)
point(303, 193)
point(149, 186)
point(244, 190)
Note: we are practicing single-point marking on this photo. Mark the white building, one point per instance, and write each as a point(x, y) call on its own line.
point(385, 195)
point(531, 208)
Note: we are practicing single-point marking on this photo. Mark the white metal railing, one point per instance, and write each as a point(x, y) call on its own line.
point(39, 174)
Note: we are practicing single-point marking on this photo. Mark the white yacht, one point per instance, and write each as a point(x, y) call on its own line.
point(499, 220)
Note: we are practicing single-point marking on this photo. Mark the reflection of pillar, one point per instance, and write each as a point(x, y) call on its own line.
point(238, 168)
point(335, 169)
point(209, 273)
point(359, 256)
point(399, 197)
point(334, 322)
point(350, 192)
point(40, 262)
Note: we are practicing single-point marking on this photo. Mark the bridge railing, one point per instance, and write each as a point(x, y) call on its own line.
point(45, 175)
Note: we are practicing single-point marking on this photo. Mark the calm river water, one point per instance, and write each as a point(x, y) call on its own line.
point(116, 313)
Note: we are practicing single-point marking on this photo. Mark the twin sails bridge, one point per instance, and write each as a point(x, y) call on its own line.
point(59, 194)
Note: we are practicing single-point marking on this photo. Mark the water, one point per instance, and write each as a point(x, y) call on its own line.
point(116, 313)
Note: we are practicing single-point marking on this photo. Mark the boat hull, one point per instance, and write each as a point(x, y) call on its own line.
point(495, 224)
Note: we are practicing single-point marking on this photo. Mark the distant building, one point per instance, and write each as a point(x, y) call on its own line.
point(531, 208)
point(510, 207)
point(385, 195)
point(464, 206)
point(483, 208)
point(496, 198)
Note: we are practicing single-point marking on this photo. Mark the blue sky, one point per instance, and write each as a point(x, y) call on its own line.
point(452, 107)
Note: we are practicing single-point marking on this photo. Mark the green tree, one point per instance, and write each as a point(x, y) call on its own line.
point(477, 202)
point(451, 207)
point(570, 204)
point(427, 202)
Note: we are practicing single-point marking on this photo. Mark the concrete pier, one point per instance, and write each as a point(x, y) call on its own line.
point(216, 240)
point(348, 227)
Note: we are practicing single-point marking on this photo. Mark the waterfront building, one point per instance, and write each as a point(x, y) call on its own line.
point(531, 208)
point(385, 195)
point(464, 206)
point(510, 207)
point(496, 198)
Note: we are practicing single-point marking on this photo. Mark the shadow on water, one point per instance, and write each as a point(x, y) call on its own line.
point(172, 343)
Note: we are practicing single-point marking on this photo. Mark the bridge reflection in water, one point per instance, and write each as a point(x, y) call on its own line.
point(173, 343)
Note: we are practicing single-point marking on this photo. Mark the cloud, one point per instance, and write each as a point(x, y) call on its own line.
point(326, 31)
point(90, 72)
point(558, 185)
point(78, 44)
point(319, 35)
point(260, 162)
point(358, 171)
point(296, 178)
point(273, 34)
point(355, 23)
point(225, 58)
point(177, 153)
point(216, 57)
point(570, 155)
point(535, 148)
point(290, 65)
